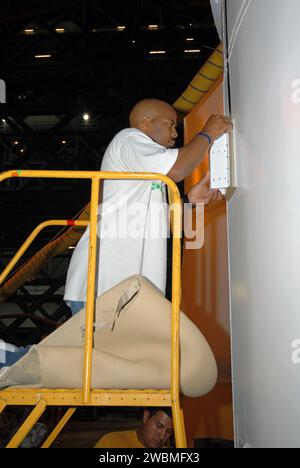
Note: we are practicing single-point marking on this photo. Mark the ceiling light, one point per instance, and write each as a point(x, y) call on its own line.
point(63, 142)
point(3, 121)
point(16, 142)
point(22, 150)
point(121, 28)
point(60, 30)
point(157, 52)
point(29, 31)
point(192, 51)
point(43, 56)
point(86, 116)
point(153, 26)
point(190, 39)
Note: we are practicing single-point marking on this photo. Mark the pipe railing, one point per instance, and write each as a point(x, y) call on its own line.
point(95, 178)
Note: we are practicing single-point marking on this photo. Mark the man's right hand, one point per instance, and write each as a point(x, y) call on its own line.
point(217, 125)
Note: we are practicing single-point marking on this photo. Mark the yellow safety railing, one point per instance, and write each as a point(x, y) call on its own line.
point(30, 239)
point(87, 396)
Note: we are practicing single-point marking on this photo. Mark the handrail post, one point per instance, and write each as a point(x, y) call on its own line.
point(175, 322)
point(90, 300)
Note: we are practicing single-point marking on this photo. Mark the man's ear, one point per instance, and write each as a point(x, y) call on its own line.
point(146, 416)
point(145, 123)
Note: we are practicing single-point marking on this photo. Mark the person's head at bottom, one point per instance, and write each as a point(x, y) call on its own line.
point(157, 427)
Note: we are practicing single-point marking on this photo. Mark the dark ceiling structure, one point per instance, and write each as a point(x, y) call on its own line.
point(73, 69)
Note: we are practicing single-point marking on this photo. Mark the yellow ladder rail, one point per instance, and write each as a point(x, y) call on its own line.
point(30, 239)
point(58, 428)
point(3, 404)
point(27, 424)
point(86, 396)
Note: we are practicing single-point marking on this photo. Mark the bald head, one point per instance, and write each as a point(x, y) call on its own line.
point(157, 119)
point(148, 108)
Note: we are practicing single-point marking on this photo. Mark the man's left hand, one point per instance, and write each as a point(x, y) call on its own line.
point(201, 193)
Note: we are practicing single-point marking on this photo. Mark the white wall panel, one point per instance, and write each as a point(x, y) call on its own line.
point(264, 220)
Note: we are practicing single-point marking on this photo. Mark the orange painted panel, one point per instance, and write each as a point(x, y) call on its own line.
point(212, 103)
point(206, 294)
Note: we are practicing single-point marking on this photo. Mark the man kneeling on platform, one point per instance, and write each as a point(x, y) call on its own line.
point(155, 432)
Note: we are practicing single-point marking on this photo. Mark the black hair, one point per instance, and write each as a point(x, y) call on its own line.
point(154, 409)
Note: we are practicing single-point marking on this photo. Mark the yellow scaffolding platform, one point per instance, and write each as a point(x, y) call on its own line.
point(86, 396)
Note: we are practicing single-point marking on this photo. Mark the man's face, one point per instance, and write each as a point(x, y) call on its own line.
point(162, 127)
point(156, 430)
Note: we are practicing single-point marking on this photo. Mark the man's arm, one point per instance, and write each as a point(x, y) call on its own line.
point(191, 155)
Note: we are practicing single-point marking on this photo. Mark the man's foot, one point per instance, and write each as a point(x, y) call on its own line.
point(10, 354)
point(7, 347)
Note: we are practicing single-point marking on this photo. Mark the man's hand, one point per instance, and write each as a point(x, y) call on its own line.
point(217, 125)
point(201, 192)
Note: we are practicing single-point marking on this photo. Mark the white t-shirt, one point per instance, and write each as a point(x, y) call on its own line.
point(133, 219)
